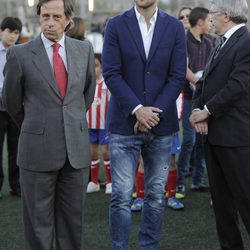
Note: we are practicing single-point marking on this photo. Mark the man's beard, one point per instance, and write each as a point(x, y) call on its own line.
point(145, 5)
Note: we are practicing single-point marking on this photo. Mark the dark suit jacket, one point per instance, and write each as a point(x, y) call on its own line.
point(51, 128)
point(225, 89)
point(133, 79)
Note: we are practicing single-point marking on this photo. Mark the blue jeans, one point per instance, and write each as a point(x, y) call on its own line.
point(188, 141)
point(191, 142)
point(124, 156)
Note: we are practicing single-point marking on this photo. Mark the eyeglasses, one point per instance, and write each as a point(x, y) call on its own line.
point(182, 17)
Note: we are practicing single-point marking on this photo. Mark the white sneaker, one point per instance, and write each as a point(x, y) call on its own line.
point(108, 188)
point(92, 187)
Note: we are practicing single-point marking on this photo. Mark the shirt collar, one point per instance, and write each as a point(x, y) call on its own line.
point(192, 37)
point(47, 43)
point(141, 17)
point(2, 48)
point(230, 32)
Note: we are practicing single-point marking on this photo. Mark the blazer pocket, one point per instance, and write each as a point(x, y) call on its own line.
point(36, 129)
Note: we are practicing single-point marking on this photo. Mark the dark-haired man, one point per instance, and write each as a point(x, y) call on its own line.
point(199, 48)
point(10, 30)
point(49, 85)
point(144, 66)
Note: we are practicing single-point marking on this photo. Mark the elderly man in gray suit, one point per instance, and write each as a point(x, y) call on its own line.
point(49, 85)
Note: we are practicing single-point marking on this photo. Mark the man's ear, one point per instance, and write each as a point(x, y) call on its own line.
point(200, 22)
point(226, 17)
point(70, 23)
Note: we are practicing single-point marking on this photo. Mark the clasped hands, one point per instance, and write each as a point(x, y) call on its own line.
point(147, 118)
point(199, 120)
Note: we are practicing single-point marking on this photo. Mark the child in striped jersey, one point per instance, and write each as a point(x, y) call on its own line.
point(99, 138)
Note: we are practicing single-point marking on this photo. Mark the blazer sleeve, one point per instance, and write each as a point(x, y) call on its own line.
point(238, 83)
point(197, 102)
point(13, 88)
point(112, 71)
point(166, 100)
point(90, 84)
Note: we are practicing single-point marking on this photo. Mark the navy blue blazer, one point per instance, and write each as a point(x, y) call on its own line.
point(134, 79)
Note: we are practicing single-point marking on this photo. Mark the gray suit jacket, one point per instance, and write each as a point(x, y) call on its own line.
point(51, 128)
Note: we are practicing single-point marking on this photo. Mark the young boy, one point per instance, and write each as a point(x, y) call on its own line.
point(98, 135)
point(10, 30)
point(199, 48)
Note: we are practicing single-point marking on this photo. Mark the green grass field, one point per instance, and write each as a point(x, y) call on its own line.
point(190, 229)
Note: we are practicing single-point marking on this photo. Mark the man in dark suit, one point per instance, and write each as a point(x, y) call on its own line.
point(222, 111)
point(49, 85)
point(144, 66)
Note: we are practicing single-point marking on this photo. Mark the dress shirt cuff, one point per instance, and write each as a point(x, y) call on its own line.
point(136, 108)
point(197, 109)
point(205, 107)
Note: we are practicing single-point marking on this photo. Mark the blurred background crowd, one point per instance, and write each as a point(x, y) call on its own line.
point(94, 12)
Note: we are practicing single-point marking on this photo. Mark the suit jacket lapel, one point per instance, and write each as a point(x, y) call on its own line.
point(160, 25)
point(231, 41)
point(72, 54)
point(42, 63)
point(135, 32)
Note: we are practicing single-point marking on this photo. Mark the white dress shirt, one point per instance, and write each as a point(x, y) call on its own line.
point(230, 32)
point(49, 49)
point(3, 52)
point(147, 35)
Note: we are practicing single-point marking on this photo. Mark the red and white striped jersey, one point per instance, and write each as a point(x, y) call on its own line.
point(97, 113)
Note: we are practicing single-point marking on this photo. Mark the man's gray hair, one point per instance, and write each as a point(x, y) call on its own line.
point(236, 9)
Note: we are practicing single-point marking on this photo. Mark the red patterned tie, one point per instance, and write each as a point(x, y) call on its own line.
point(59, 70)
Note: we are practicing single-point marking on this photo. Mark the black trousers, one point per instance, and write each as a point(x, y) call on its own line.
point(229, 178)
point(8, 127)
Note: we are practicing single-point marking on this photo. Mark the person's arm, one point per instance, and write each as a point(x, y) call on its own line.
point(13, 88)
point(90, 84)
point(176, 75)
point(112, 71)
point(199, 116)
point(191, 77)
point(237, 85)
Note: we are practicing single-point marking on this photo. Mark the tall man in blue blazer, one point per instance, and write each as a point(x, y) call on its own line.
point(222, 112)
point(144, 66)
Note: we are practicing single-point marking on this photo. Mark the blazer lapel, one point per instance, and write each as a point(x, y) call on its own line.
point(72, 55)
point(42, 63)
point(135, 32)
point(231, 41)
point(160, 25)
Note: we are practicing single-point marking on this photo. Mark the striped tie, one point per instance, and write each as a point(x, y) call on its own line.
point(219, 46)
